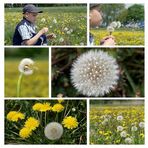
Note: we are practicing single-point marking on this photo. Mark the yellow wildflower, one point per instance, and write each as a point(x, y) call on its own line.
point(70, 122)
point(42, 107)
point(57, 107)
point(25, 133)
point(15, 116)
point(32, 123)
point(60, 100)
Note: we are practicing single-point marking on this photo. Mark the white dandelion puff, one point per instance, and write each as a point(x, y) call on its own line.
point(61, 40)
point(134, 128)
point(141, 124)
point(65, 29)
point(113, 24)
point(118, 24)
point(68, 32)
point(54, 21)
point(128, 140)
point(26, 66)
point(110, 29)
point(123, 134)
point(119, 118)
point(43, 20)
point(94, 73)
point(53, 131)
point(119, 128)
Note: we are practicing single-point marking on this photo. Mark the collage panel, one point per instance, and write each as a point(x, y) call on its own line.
point(116, 24)
point(26, 72)
point(45, 24)
point(45, 121)
point(117, 122)
point(98, 72)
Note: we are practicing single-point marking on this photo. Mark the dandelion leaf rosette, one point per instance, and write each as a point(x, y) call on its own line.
point(94, 73)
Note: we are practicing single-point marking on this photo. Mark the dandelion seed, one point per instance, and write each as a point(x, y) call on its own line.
point(53, 131)
point(26, 66)
point(119, 118)
point(94, 73)
point(15, 116)
point(70, 122)
point(123, 134)
point(73, 109)
point(141, 124)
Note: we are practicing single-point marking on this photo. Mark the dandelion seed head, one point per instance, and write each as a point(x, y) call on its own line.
point(113, 24)
point(119, 128)
point(26, 66)
point(118, 24)
point(120, 118)
point(123, 134)
point(141, 124)
point(94, 73)
point(110, 29)
point(128, 140)
point(61, 40)
point(53, 131)
point(134, 128)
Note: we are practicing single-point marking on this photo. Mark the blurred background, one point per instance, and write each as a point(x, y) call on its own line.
point(35, 85)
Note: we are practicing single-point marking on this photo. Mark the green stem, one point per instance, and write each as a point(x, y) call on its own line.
point(19, 84)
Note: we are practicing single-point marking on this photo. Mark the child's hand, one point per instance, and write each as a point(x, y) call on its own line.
point(108, 40)
point(43, 30)
point(51, 36)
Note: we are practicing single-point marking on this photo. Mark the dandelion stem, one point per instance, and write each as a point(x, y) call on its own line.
point(19, 84)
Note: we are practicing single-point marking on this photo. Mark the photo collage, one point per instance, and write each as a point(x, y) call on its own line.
point(74, 73)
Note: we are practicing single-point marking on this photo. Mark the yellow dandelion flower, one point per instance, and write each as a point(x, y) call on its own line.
point(70, 122)
point(15, 116)
point(57, 107)
point(37, 106)
point(45, 107)
point(42, 107)
point(25, 133)
point(32, 123)
point(60, 100)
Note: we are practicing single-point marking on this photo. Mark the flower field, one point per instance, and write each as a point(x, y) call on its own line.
point(122, 36)
point(115, 124)
point(45, 121)
point(67, 23)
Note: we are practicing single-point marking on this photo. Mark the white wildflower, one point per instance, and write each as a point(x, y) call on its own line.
point(119, 128)
point(119, 118)
point(61, 40)
point(113, 24)
point(53, 131)
point(141, 124)
point(128, 140)
point(43, 20)
point(54, 21)
point(134, 128)
point(123, 134)
point(94, 73)
point(110, 29)
point(26, 66)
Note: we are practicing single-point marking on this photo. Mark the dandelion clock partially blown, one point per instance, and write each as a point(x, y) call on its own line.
point(94, 73)
point(53, 131)
point(26, 66)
